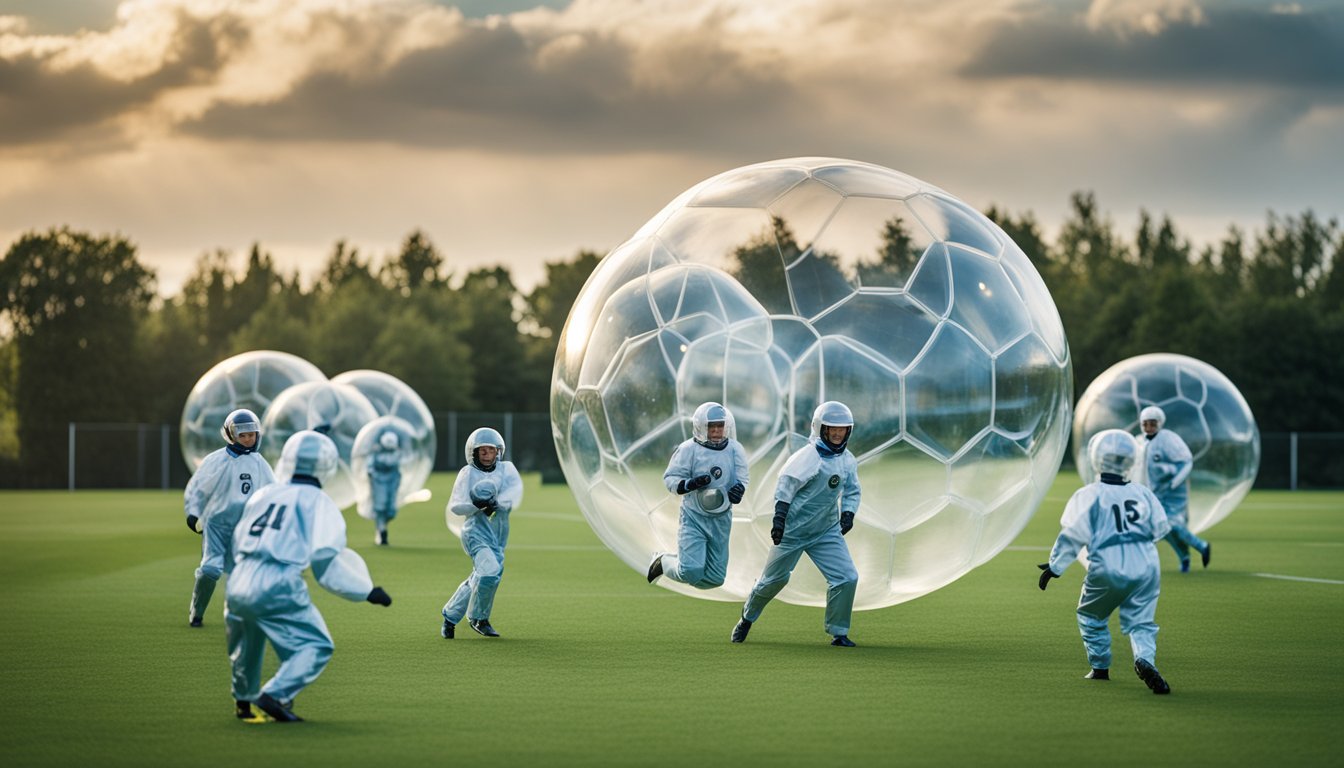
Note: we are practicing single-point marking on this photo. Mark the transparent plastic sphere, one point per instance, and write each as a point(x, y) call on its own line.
point(337, 410)
point(1202, 406)
point(250, 380)
point(415, 463)
point(777, 286)
point(391, 396)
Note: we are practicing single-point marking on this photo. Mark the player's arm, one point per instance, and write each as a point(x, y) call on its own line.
point(511, 493)
point(459, 503)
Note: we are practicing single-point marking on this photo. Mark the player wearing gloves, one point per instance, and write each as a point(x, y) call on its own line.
point(384, 483)
point(214, 501)
point(486, 490)
point(709, 473)
point(1167, 465)
point(285, 529)
point(818, 481)
point(1118, 522)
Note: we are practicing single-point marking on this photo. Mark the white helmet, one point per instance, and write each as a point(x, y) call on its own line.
point(389, 441)
point(308, 453)
point(1112, 451)
point(832, 413)
point(240, 421)
point(1153, 413)
point(707, 414)
point(484, 436)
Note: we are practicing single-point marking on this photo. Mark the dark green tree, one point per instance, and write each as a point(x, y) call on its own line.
point(74, 302)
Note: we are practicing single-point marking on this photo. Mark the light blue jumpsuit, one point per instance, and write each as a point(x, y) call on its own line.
point(1167, 465)
point(216, 495)
point(384, 483)
point(284, 530)
point(483, 538)
point(818, 485)
point(701, 559)
point(1119, 523)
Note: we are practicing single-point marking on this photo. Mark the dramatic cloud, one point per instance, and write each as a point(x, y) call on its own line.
point(516, 137)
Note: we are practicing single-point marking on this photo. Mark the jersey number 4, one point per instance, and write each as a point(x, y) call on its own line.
point(259, 525)
point(1122, 519)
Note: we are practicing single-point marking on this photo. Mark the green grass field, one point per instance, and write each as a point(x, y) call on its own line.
point(598, 668)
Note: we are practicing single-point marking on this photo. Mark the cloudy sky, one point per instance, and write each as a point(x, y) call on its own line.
point(515, 133)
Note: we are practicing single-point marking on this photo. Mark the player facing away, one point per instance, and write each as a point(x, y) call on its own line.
point(1119, 522)
point(214, 501)
point(384, 483)
point(709, 472)
point(818, 481)
point(286, 528)
point(486, 490)
point(1167, 465)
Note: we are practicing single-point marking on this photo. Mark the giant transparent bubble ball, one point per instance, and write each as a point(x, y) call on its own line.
point(1202, 406)
point(774, 287)
point(415, 464)
point(393, 397)
point(250, 380)
point(337, 410)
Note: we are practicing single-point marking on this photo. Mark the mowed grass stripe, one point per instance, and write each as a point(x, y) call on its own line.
point(598, 668)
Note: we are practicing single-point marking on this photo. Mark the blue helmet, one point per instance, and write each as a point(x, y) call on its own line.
point(240, 421)
point(832, 413)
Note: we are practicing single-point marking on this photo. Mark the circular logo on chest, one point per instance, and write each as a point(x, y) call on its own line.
point(834, 481)
point(716, 472)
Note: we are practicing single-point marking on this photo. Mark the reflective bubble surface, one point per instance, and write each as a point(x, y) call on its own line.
point(338, 410)
point(250, 380)
point(1202, 406)
point(777, 286)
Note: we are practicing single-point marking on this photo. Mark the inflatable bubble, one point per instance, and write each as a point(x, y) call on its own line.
point(250, 380)
point(777, 286)
point(1201, 405)
point(391, 396)
point(415, 464)
point(337, 410)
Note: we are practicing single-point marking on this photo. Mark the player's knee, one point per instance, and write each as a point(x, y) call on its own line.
point(693, 574)
point(488, 582)
point(209, 571)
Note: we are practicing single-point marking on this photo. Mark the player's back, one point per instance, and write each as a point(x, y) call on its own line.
point(283, 524)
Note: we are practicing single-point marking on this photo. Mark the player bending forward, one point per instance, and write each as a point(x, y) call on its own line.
point(285, 528)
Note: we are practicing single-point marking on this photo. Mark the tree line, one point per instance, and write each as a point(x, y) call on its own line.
point(84, 336)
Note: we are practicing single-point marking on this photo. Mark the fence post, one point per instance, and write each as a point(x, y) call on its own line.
point(1292, 461)
point(508, 428)
point(71, 471)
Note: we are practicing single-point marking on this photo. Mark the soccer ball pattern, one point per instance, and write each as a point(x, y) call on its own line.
point(1202, 406)
point(250, 380)
point(392, 399)
point(339, 410)
point(777, 286)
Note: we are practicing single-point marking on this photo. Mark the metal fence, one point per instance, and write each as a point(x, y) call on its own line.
point(149, 455)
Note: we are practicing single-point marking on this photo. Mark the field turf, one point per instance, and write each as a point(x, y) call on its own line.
point(598, 668)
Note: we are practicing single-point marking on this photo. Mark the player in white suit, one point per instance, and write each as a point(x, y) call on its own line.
point(286, 528)
point(1118, 522)
point(816, 497)
point(214, 501)
point(1167, 464)
point(710, 474)
point(487, 489)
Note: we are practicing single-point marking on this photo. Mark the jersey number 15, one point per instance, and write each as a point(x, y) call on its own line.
point(1122, 519)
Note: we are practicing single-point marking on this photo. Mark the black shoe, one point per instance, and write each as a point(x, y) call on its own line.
point(195, 621)
point(656, 567)
point(277, 709)
point(380, 538)
point(843, 641)
point(482, 627)
point(1207, 554)
point(243, 710)
point(1149, 675)
point(740, 631)
point(449, 630)
point(1098, 674)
